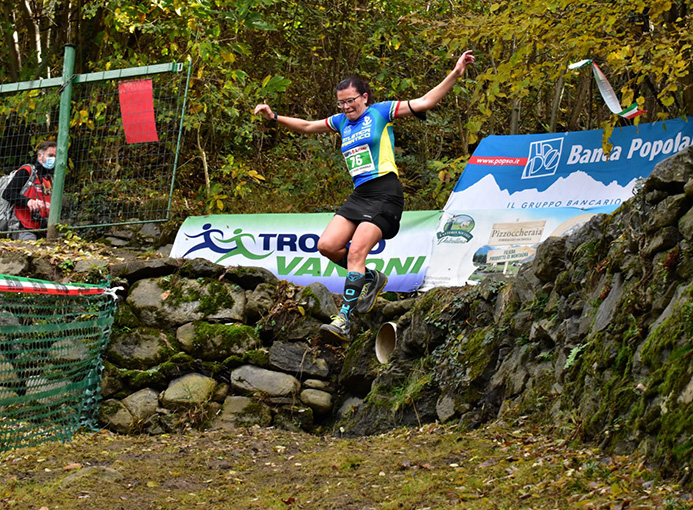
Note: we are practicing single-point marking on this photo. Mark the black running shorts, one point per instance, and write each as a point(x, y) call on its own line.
point(379, 201)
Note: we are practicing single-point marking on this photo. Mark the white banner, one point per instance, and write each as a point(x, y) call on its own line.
point(472, 245)
point(286, 245)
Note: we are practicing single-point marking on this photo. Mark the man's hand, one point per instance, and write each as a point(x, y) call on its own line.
point(37, 206)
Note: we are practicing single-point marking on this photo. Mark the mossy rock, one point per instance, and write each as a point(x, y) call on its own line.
point(115, 416)
point(257, 357)
point(125, 318)
point(360, 366)
point(140, 379)
point(111, 380)
point(141, 348)
point(173, 301)
point(217, 341)
point(319, 301)
point(249, 277)
point(159, 376)
point(239, 411)
point(294, 418)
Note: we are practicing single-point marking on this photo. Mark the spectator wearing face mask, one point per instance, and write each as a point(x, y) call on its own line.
point(29, 193)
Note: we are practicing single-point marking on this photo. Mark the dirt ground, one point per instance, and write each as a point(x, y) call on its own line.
point(431, 467)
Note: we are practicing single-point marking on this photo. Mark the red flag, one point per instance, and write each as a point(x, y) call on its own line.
point(137, 109)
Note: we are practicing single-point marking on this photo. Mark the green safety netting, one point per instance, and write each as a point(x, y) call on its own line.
point(52, 337)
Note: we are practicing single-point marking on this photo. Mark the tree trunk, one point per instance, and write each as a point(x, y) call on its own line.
point(464, 139)
point(11, 40)
point(555, 106)
point(205, 168)
point(35, 28)
point(515, 117)
point(688, 91)
point(515, 114)
point(581, 99)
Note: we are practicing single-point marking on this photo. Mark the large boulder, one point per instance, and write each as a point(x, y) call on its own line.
point(290, 317)
point(216, 341)
point(672, 174)
point(239, 411)
point(667, 212)
point(249, 277)
point(14, 263)
point(141, 348)
point(259, 302)
point(299, 359)
point(69, 350)
point(115, 416)
point(8, 374)
point(142, 404)
point(319, 302)
point(360, 366)
point(191, 390)
point(319, 401)
point(172, 302)
point(294, 418)
point(550, 259)
point(45, 390)
point(201, 268)
point(252, 379)
point(136, 270)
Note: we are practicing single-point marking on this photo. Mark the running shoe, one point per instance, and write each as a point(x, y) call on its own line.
point(339, 328)
point(370, 292)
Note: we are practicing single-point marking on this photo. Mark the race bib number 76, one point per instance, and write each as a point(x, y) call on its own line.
point(359, 160)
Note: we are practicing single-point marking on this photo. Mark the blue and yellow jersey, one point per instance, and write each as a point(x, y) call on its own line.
point(368, 143)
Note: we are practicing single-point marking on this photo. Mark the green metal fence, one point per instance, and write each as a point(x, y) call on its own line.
point(101, 178)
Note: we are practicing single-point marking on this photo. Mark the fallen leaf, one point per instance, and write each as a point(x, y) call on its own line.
point(70, 467)
point(488, 463)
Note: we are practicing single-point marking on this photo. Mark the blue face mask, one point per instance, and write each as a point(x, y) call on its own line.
point(49, 163)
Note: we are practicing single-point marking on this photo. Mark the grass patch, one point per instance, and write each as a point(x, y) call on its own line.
point(431, 466)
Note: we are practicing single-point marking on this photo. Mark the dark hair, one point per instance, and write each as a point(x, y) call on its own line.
point(360, 85)
point(45, 145)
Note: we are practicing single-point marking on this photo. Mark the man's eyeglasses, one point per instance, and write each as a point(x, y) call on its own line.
point(350, 101)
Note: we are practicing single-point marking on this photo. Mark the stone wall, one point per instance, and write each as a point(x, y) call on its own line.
point(591, 338)
point(198, 344)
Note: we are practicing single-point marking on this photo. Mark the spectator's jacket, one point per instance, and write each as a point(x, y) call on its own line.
point(39, 190)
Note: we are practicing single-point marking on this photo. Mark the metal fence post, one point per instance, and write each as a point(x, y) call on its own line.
point(62, 143)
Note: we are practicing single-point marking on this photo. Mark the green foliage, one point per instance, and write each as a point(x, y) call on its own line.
point(573, 356)
point(410, 391)
point(291, 54)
